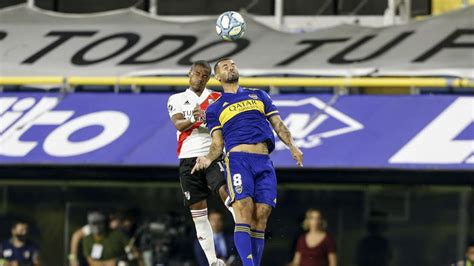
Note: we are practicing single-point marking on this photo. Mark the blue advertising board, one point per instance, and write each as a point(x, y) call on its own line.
point(414, 132)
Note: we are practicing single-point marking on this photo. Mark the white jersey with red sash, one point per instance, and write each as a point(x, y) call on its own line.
point(196, 140)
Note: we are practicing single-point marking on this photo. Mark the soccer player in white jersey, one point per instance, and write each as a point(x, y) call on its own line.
point(186, 110)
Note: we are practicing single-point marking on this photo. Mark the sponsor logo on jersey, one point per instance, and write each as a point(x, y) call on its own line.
point(314, 122)
point(187, 113)
point(253, 96)
point(244, 106)
point(187, 195)
point(186, 103)
point(68, 135)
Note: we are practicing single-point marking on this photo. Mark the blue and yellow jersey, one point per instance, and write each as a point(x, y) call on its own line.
point(242, 117)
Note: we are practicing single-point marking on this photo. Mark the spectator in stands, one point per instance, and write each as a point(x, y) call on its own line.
point(76, 257)
point(18, 251)
point(224, 243)
point(469, 256)
point(374, 249)
point(104, 247)
point(315, 247)
point(128, 222)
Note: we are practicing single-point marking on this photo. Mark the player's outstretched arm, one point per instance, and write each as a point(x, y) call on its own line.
point(215, 151)
point(217, 145)
point(285, 135)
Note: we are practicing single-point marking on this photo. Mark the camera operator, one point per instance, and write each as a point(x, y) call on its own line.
point(76, 257)
point(165, 240)
point(105, 247)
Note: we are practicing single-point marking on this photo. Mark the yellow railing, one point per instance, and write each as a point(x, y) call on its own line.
point(443, 6)
point(245, 81)
point(31, 80)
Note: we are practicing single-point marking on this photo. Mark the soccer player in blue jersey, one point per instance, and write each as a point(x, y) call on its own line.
point(240, 120)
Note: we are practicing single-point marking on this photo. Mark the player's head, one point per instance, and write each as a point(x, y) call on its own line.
point(314, 220)
point(225, 71)
point(470, 251)
point(19, 230)
point(199, 75)
point(215, 219)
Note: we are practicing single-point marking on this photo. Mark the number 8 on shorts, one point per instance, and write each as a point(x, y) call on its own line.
point(237, 180)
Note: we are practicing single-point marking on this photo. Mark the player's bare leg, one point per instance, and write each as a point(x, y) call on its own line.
point(259, 224)
point(262, 212)
point(244, 209)
point(199, 205)
point(223, 193)
point(204, 230)
point(224, 197)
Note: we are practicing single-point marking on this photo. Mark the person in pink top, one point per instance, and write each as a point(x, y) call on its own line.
point(315, 247)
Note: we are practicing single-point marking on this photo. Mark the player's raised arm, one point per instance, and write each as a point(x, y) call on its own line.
point(285, 135)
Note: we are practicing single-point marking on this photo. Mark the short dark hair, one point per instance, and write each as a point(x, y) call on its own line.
point(16, 222)
point(202, 63)
point(470, 243)
point(218, 61)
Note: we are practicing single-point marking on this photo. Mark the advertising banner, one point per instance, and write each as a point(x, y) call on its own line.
point(34, 42)
point(416, 132)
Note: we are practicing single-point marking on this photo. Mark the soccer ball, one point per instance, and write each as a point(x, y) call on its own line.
point(230, 26)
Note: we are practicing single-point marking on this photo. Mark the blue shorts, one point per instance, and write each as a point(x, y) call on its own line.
point(251, 175)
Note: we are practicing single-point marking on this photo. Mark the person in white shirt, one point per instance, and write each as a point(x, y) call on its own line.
point(186, 110)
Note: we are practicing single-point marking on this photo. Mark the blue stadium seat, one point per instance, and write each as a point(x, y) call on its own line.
point(463, 91)
point(29, 89)
point(94, 88)
point(158, 89)
point(322, 90)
